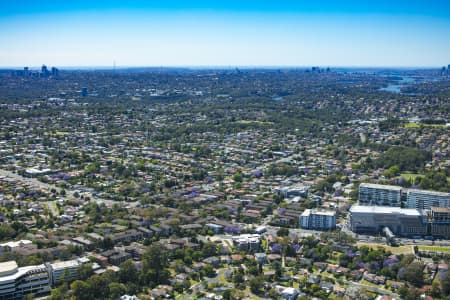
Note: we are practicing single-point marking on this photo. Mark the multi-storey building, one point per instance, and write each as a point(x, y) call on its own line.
point(388, 195)
point(65, 270)
point(318, 219)
point(401, 221)
point(246, 242)
point(16, 282)
point(380, 195)
point(421, 199)
point(440, 222)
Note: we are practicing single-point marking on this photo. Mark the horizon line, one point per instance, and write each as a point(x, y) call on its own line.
point(109, 67)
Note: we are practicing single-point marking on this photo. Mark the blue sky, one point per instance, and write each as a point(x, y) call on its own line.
point(225, 33)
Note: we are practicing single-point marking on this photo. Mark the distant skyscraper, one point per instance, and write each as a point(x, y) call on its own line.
point(84, 91)
point(26, 72)
point(55, 72)
point(44, 71)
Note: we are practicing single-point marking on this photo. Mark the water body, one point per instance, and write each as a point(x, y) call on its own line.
point(397, 86)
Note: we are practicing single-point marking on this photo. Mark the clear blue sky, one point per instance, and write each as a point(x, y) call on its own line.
point(225, 33)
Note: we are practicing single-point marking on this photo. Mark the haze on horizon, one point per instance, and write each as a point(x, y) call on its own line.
point(225, 33)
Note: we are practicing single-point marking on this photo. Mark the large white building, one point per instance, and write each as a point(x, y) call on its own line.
point(245, 242)
point(401, 221)
point(16, 282)
point(65, 270)
point(318, 219)
point(380, 195)
point(14, 245)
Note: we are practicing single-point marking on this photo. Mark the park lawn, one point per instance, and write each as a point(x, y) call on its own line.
point(410, 176)
point(435, 248)
point(254, 122)
point(396, 250)
point(417, 125)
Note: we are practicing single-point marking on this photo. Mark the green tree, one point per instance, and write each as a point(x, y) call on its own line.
point(238, 278)
point(101, 286)
point(128, 272)
point(238, 177)
point(445, 284)
point(116, 290)
point(256, 284)
point(85, 271)
point(59, 293)
point(283, 232)
point(392, 171)
point(154, 263)
point(6, 232)
point(413, 273)
point(81, 290)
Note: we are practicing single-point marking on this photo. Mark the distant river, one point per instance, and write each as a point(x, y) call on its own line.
point(396, 87)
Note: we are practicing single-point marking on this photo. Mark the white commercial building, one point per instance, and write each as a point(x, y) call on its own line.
point(65, 270)
point(246, 242)
point(16, 282)
point(318, 219)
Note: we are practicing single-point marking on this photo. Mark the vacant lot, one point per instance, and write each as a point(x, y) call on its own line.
point(395, 250)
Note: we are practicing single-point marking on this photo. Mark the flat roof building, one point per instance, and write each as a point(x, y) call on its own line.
point(318, 219)
point(16, 282)
point(440, 222)
point(65, 270)
point(401, 221)
point(421, 199)
point(380, 195)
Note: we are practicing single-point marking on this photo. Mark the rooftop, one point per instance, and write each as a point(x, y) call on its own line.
point(384, 210)
point(66, 264)
point(381, 186)
point(424, 192)
point(316, 211)
point(8, 268)
point(440, 209)
point(14, 244)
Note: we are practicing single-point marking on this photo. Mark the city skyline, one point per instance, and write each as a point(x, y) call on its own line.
point(225, 34)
